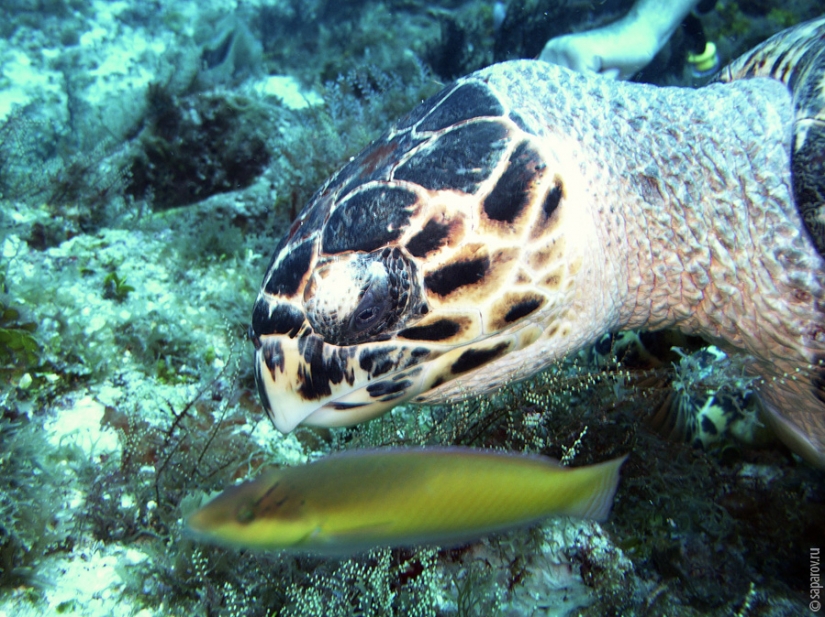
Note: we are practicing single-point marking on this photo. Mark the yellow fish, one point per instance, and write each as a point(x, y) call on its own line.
point(354, 501)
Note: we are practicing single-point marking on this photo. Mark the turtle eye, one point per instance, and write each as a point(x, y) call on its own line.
point(358, 298)
point(366, 317)
point(371, 309)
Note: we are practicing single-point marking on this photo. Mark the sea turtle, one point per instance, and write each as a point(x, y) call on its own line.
point(525, 210)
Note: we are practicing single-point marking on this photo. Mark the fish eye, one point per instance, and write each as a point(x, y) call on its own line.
point(245, 514)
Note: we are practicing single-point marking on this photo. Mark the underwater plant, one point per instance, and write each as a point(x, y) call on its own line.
point(17, 343)
point(116, 288)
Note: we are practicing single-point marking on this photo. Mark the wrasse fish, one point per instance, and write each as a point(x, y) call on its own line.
point(354, 501)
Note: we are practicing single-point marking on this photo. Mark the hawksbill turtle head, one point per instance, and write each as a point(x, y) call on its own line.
point(405, 275)
point(493, 230)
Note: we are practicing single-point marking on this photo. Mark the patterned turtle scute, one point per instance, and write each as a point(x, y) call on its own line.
point(286, 278)
point(460, 159)
point(522, 309)
point(551, 202)
point(467, 101)
point(281, 319)
point(368, 219)
point(436, 331)
point(325, 366)
point(512, 192)
point(473, 358)
point(457, 274)
point(273, 356)
point(388, 390)
point(452, 105)
point(444, 110)
point(429, 239)
point(373, 164)
point(377, 362)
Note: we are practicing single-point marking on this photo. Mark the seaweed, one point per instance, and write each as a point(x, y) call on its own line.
point(35, 492)
point(115, 287)
point(197, 146)
point(70, 190)
point(18, 346)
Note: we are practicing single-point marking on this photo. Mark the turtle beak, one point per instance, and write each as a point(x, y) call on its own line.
point(302, 380)
point(276, 373)
point(285, 409)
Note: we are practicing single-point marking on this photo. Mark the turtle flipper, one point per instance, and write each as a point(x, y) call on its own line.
point(794, 398)
point(796, 57)
point(796, 411)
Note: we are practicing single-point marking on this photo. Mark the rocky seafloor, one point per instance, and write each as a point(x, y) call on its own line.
point(151, 156)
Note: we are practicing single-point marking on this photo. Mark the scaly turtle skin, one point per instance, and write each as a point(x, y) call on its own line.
point(525, 210)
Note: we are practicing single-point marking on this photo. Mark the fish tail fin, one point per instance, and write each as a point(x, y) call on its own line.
point(602, 480)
